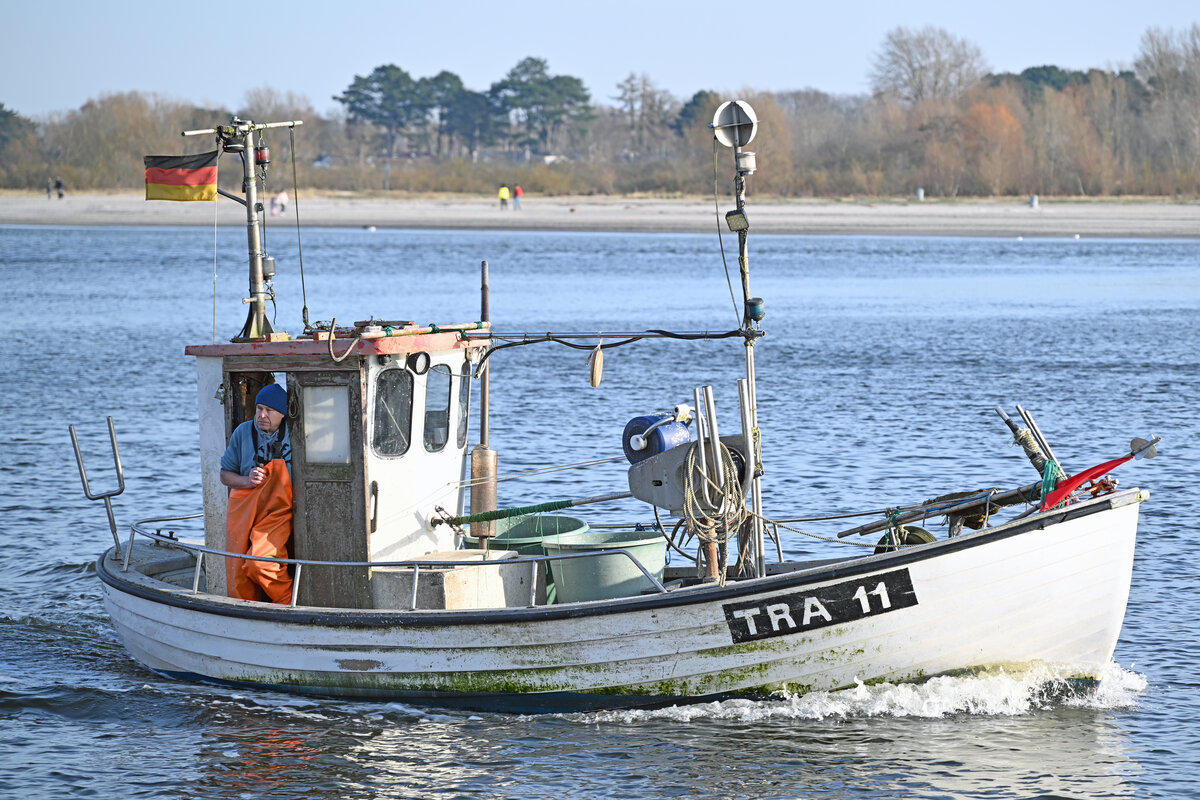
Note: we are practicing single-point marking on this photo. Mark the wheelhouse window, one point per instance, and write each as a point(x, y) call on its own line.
point(393, 412)
point(437, 408)
point(464, 402)
point(326, 424)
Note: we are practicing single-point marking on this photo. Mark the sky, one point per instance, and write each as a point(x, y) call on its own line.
point(54, 56)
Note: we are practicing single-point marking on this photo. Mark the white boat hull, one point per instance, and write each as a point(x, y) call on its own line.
point(1049, 589)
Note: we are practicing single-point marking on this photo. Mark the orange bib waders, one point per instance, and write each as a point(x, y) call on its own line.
point(259, 523)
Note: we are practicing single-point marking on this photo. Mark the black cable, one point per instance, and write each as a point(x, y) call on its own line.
point(720, 238)
point(550, 337)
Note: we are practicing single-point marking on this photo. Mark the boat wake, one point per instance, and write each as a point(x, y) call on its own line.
point(1002, 692)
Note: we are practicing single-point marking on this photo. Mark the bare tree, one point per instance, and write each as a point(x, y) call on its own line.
point(1169, 63)
point(648, 110)
point(925, 64)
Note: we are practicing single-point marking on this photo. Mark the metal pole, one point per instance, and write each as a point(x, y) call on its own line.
point(256, 325)
point(238, 136)
point(485, 312)
point(714, 439)
point(756, 465)
point(484, 460)
point(739, 185)
point(750, 436)
point(739, 191)
point(702, 441)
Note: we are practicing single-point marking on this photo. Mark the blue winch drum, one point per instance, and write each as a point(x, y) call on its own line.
point(663, 438)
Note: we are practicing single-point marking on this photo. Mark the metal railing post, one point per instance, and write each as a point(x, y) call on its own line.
point(296, 584)
point(412, 602)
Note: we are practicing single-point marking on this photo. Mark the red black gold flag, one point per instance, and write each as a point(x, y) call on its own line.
point(182, 177)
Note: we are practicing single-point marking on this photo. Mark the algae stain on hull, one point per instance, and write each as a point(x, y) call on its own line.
point(760, 668)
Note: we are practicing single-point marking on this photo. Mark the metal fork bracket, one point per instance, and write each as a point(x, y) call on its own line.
point(105, 496)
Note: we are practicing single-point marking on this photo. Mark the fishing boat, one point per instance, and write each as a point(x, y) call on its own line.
point(411, 580)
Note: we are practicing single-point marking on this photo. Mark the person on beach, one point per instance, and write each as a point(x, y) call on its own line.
point(503, 197)
point(49, 188)
point(517, 195)
point(257, 467)
point(58, 185)
point(281, 200)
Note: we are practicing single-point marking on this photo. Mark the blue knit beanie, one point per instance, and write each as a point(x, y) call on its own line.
point(273, 396)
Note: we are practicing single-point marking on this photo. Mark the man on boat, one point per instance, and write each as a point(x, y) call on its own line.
point(257, 469)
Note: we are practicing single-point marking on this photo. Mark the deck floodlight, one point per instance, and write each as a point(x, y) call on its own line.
point(736, 220)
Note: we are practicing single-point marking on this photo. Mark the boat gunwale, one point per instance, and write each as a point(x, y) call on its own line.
point(426, 618)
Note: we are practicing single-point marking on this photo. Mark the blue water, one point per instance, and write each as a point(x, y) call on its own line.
point(883, 361)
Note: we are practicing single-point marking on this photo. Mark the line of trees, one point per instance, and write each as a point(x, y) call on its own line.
point(439, 117)
point(936, 118)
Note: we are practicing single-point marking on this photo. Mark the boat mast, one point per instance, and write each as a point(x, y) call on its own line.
point(238, 137)
point(734, 125)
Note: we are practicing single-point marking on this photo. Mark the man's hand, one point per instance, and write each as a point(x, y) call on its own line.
point(235, 481)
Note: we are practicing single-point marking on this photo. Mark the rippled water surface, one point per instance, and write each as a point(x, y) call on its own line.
point(883, 361)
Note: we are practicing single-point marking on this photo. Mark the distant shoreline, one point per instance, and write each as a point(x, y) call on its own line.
point(1004, 217)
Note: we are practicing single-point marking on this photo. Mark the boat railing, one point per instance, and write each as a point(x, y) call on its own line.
point(142, 528)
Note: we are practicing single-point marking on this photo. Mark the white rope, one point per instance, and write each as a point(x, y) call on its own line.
point(719, 525)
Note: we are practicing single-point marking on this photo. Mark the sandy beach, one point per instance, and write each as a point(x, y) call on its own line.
point(1003, 217)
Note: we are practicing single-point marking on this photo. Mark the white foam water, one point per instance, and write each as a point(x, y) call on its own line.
point(1002, 691)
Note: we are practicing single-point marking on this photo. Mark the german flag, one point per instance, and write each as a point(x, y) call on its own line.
point(182, 177)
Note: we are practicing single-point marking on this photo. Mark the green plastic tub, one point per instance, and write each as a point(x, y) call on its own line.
point(526, 534)
point(605, 577)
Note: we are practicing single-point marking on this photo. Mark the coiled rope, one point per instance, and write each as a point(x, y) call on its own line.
point(714, 526)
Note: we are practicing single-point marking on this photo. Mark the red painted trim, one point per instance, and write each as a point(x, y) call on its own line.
point(385, 345)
